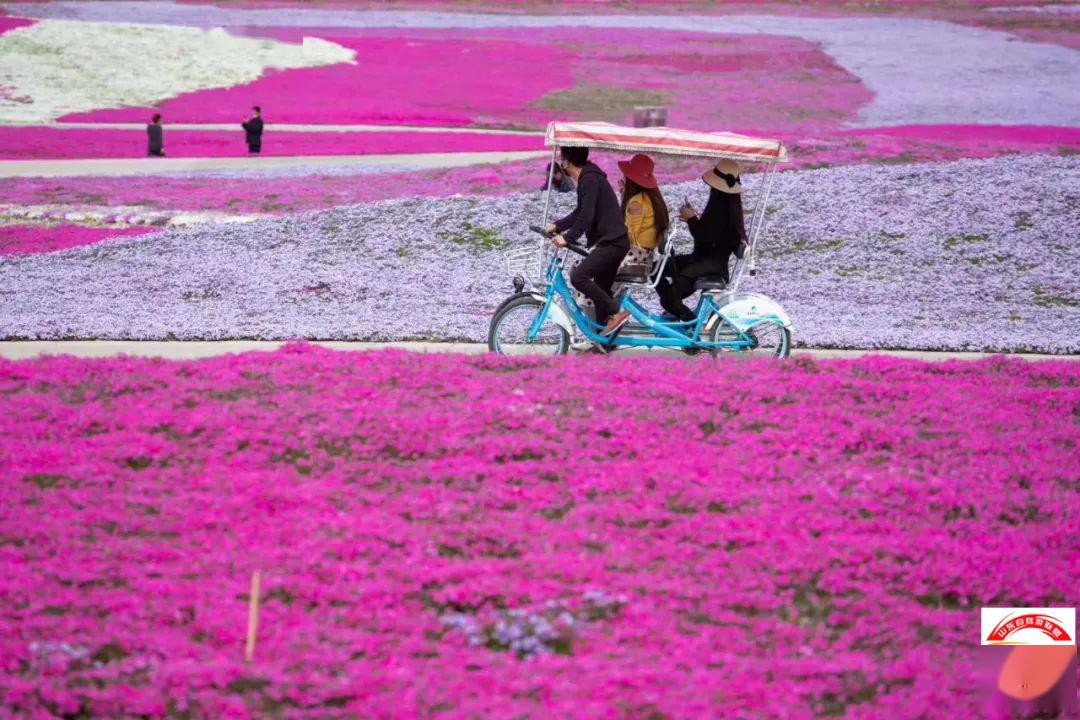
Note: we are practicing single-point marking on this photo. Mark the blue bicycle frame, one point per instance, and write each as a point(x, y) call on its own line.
point(666, 332)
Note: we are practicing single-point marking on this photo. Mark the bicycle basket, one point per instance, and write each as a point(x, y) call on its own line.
point(527, 262)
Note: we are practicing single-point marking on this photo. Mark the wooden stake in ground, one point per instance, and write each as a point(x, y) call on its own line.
point(253, 615)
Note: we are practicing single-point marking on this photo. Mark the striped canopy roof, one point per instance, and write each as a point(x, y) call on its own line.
point(665, 141)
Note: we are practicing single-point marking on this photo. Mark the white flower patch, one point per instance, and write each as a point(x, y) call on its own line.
point(56, 67)
point(117, 216)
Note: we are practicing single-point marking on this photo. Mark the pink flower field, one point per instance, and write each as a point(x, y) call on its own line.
point(272, 195)
point(313, 534)
point(10, 23)
point(425, 77)
point(30, 239)
point(299, 192)
point(443, 536)
point(429, 80)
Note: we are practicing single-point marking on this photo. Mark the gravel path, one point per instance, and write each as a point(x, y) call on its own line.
point(976, 255)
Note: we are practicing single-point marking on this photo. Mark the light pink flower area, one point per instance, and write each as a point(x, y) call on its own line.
point(52, 143)
point(30, 239)
point(788, 540)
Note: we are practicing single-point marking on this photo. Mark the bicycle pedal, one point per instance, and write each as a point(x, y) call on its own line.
point(614, 334)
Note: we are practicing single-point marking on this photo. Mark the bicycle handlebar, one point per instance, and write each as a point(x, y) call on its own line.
point(569, 246)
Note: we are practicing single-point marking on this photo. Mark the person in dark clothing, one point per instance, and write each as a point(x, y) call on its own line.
point(560, 182)
point(253, 127)
point(155, 137)
point(718, 233)
point(599, 218)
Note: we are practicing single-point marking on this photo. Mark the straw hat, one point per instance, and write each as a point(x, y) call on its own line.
point(639, 169)
point(715, 178)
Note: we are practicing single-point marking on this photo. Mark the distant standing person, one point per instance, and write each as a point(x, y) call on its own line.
point(155, 137)
point(253, 126)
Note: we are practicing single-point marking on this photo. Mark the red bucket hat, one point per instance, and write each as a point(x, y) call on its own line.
point(639, 169)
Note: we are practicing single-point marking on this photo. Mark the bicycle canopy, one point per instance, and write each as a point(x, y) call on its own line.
point(664, 141)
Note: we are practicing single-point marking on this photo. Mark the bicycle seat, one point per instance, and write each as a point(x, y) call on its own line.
point(710, 282)
point(633, 274)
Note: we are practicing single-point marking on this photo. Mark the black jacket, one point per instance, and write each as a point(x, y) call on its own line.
point(253, 128)
point(155, 138)
point(597, 216)
point(720, 228)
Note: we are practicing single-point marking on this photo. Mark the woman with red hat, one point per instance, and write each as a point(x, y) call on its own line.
point(646, 216)
point(644, 209)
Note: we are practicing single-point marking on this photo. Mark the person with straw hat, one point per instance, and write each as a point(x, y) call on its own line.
point(718, 233)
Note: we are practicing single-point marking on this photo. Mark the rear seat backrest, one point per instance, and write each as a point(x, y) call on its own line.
point(665, 249)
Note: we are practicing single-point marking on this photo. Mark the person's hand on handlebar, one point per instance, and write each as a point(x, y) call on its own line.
point(559, 240)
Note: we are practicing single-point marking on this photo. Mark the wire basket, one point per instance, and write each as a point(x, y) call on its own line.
point(527, 262)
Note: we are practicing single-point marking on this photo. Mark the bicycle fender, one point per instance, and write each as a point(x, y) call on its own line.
point(512, 298)
point(557, 314)
point(744, 310)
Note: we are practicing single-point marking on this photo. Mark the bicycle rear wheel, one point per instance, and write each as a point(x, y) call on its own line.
point(509, 331)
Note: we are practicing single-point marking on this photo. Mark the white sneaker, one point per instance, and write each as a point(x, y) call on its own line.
point(582, 345)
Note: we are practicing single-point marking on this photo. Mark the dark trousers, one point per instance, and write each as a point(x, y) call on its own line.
point(595, 275)
point(255, 148)
point(677, 284)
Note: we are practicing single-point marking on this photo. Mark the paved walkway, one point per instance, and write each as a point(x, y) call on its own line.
point(23, 349)
point(144, 166)
point(288, 127)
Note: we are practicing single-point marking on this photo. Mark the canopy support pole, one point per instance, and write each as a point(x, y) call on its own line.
point(551, 179)
point(757, 220)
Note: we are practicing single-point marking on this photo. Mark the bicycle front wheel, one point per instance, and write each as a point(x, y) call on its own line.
point(770, 338)
point(509, 331)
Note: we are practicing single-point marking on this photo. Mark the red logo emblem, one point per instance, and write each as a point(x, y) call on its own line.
point(1046, 624)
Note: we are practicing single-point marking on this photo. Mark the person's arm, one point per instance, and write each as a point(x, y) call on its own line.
point(586, 209)
point(244, 125)
point(563, 223)
point(635, 217)
point(693, 224)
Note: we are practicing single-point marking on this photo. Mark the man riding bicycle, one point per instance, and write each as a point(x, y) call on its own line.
point(599, 217)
